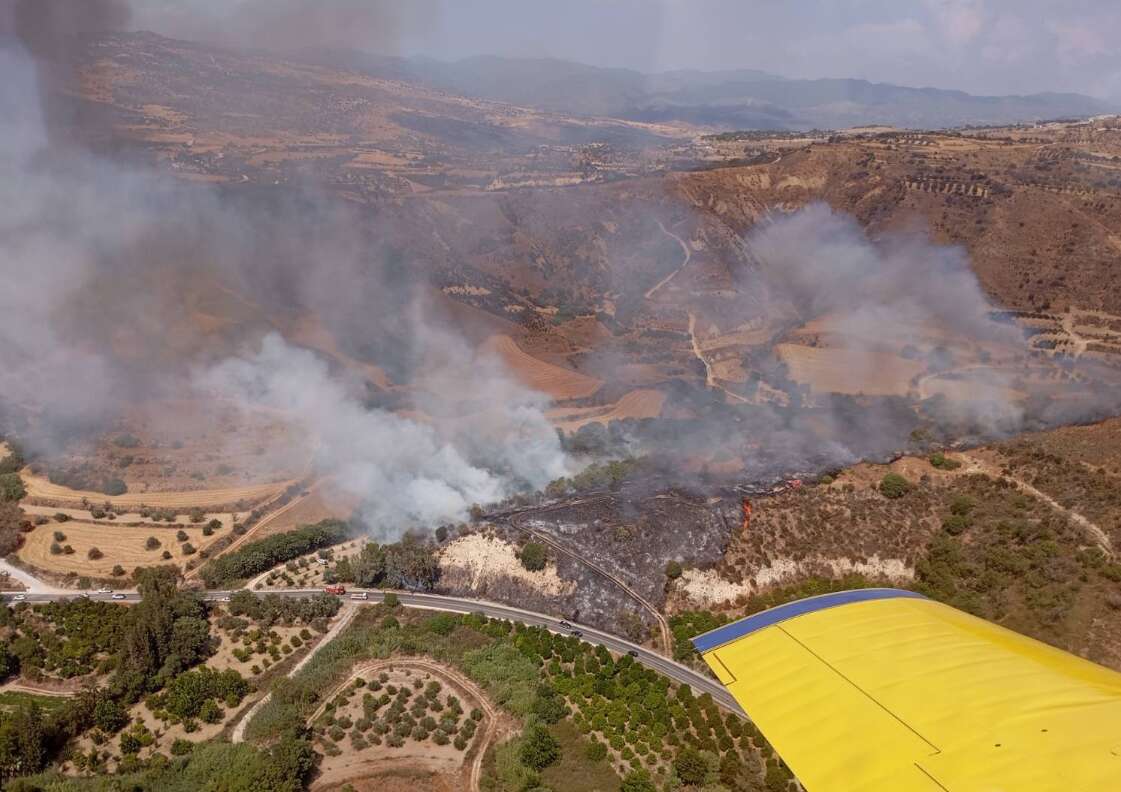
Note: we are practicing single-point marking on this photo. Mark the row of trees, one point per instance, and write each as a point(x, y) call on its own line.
point(264, 554)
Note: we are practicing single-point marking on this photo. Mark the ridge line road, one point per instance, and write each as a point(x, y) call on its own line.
point(647, 657)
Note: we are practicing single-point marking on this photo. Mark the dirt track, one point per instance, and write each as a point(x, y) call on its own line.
point(685, 262)
point(1100, 537)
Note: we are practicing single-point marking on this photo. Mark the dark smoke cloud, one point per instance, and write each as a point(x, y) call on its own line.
point(370, 25)
point(100, 262)
point(48, 31)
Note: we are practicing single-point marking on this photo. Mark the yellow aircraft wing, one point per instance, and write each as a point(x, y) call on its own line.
point(881, 690)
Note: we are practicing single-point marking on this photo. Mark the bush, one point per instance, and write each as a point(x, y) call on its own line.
point(956, 524)
point(126, 440)
point(539, 749)
point(181, 535)
point(151, 543)
point(118, 570)
point(166, 555)
point(210, 712)
point(962, 504)
point(894, 486)
point(56, 548)
point(942, 462)
point(188, 549)
point(673, 570)
point(93, 554)
point(691, 766)
point(181, 747)
point(533, 556)
point(59, 536)
point(637, 781)
point(11, 487)
point(114, 486)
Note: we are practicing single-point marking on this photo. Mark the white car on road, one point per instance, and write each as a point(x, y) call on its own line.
point(118, 596)
point(19, 598)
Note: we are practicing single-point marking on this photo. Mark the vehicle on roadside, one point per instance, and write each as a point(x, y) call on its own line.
point(19, 597)
point(632, 652)
point(104, 590)
point(118, 596)
point(335, 589)
point(359, 595)
point(576, 633)
point(224, 599)
point(564, 624)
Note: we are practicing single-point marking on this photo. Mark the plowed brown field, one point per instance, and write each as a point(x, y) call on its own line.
point(556, 381)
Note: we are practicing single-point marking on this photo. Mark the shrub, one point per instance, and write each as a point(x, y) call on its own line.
point(181, 535)
point(196, 514)
point(691, 766)
point(93, 554)
point(956, 524)
point(533, 556)
point(637, 781)
point(59, 536)
point(962, 504)
point(942, 462)
point(126, 440)
point(56, 548)
point(166, 555)
point(210, 712)
point(114, 486)
point(539, 749)
point(11, 487)
point(118, 570)
point(181, 747)
point(894, 486)
point(673, 570)
point(151, 543)
point(188, 549)
point(391, 600)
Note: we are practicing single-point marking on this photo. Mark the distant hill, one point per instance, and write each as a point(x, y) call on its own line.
point(739, 99)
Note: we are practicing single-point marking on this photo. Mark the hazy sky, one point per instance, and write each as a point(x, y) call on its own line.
point(981, 46)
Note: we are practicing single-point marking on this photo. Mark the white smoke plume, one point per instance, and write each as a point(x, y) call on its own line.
point(407, 473)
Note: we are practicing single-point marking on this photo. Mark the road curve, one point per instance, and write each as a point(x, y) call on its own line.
point(649, 658)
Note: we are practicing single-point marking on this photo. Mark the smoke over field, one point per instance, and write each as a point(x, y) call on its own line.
point(360, 255)
point(101, 261)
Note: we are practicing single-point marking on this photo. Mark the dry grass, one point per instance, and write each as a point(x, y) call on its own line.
point(38, 487)
point(120, 544)
point(838, 370)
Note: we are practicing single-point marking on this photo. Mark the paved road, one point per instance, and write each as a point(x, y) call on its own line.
point(649, 658)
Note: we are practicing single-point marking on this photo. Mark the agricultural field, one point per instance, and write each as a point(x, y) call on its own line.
point(577, 716)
